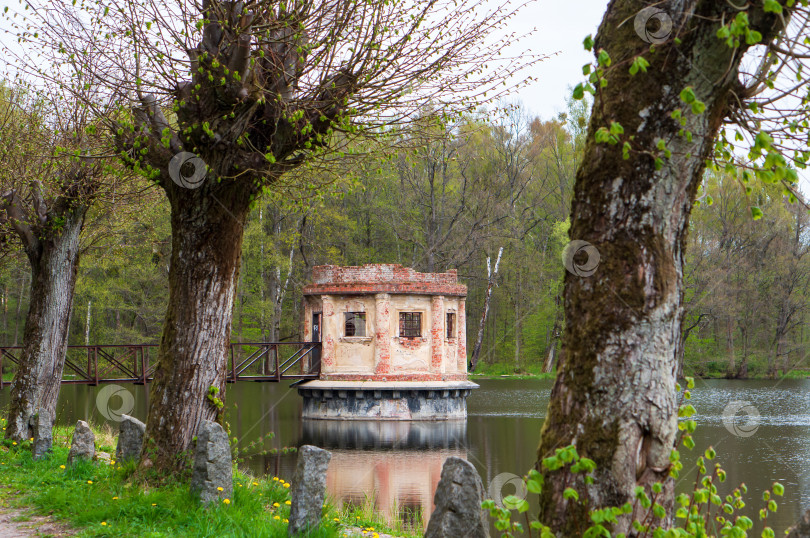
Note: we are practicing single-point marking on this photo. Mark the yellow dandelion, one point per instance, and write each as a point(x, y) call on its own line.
point(220, 488)
point(275, 478)
point(286, 520)
point(31, 439)
point(14, 443)
point(336, 520)
point(255, 483)
point(376, 535)
point(286, 485)
point(103, 523)
point(276, 505)
point(61, 466)
point(276, 517)
point(154, 504)
point(288, 503)
point(115, 498)
point(89, 481)
point(226, 501)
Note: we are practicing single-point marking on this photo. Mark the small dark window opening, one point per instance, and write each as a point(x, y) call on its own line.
point(355, 324)
point(410, 324)
point(451, 325)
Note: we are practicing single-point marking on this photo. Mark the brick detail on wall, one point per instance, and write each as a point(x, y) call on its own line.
point(395, 377)
point(382, 278)
point(377, 272)
point(407, 288)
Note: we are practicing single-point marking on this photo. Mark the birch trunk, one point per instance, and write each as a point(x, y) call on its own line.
point(614, 395)
point(491, 275)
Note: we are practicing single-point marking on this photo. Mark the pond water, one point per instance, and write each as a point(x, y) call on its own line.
point(396, 466)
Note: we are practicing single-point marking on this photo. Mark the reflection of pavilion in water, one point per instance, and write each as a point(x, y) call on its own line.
point(397, 465)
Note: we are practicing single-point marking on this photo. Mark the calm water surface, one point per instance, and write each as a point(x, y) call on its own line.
point(397, 465)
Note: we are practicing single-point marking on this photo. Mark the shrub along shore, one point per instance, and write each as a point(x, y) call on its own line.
point(101, 498)
point(717, 371)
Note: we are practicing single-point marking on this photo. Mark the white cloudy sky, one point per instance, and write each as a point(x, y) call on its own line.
point(561, 27)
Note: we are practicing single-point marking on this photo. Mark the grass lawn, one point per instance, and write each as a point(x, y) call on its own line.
point(106, 499)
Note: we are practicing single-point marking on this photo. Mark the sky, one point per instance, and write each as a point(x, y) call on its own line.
point(561, 27)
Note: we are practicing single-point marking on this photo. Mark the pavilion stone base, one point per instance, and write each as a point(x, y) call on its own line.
point(386, 400)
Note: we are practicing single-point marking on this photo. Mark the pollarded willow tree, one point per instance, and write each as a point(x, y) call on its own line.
point(678, 86)
point(47, 184)
point(225, 98)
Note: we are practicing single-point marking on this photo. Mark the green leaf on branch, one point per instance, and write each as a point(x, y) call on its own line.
point(639, 64)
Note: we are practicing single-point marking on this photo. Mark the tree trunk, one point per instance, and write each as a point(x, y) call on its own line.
point(551, 354)
point(207, 232)
point(731, 369)
point(614, 395)
point(518, 321)
point(742, 370)
point(19, 310)
point(5, 316)
point(87, 325)
point(478, 341)
point(54, 266)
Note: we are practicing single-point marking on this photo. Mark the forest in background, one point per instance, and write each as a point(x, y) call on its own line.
point(485, 182)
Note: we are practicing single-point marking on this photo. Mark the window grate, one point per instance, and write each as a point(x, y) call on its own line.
point(410, 324)
point(451, 325)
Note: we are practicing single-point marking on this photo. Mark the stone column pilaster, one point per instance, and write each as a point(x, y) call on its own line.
point(437, 334)
point(329, 328)
point(461, 338)
point(382, 334)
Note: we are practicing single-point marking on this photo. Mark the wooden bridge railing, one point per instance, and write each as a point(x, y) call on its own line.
point(130, 363)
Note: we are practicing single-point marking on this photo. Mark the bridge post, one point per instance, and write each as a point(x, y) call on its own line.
point(2, 352)
point(95, 364)
point(233, 366)
point(143, 365)
point(275, 355)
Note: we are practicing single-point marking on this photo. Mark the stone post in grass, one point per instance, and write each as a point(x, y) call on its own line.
point(308, 489)
point(212, 477)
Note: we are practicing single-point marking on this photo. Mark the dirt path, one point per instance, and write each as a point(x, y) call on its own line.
point(16, 523)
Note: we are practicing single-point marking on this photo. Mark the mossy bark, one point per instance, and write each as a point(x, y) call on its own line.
point(54, 265)
point(207, 231)
point(614, 395)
